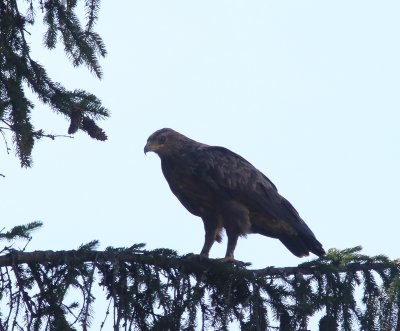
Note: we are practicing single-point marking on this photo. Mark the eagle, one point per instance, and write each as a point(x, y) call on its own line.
point(229, 193)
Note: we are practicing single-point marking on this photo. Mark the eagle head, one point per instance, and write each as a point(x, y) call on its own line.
point(164, 141)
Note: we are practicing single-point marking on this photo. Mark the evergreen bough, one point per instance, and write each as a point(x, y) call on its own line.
point(19, 71)
point(160, 290)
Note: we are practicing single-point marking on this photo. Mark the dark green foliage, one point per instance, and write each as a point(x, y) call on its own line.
point(19, 70)
point(159, 290)
point(328, 323)
point(21, 231)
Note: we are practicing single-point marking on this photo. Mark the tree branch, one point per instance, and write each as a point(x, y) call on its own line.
point(310, 270)
point(94, 256)
point(161, 290)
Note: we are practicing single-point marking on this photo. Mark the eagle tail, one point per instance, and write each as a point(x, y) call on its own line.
point(302, 246)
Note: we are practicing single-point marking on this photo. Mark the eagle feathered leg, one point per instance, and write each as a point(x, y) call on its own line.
point(236, 222)
point(232, 241)
point(212, 233)
point(208, 242)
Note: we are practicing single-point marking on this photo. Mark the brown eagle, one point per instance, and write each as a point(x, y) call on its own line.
point(228, 192)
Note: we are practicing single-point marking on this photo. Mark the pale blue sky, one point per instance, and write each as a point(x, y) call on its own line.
point(307, 91)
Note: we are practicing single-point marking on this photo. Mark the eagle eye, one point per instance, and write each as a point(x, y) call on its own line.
point(161, 139)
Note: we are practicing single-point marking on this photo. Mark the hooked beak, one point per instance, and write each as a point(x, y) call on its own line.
point(147, 148)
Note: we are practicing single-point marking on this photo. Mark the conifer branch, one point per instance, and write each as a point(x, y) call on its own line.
point(161, 290)
point(126, 255)
point(19, 71)
point(20, 232)
point(37, 134)
point(8, 149)
point(310, 270)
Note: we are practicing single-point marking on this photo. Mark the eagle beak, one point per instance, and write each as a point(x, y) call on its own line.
point(148, 148)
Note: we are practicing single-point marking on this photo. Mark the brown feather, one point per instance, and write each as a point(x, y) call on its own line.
point(226, 191)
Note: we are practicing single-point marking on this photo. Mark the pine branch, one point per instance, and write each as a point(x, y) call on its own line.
point(311, 270)
point(20, 231)
point(125, 255)
point(36, 134)
point(19, 71)
point(161, 290)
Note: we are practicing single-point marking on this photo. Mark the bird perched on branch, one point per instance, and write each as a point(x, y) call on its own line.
point(229, 193)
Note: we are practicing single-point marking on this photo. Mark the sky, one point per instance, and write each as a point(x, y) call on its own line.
point(307, 91)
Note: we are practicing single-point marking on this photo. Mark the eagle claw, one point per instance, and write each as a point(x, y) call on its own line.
point(230, 259)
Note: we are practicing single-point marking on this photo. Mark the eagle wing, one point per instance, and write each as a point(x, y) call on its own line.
point(234, 178)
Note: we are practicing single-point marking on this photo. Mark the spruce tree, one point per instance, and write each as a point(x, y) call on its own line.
point(160, 290)
point(19, 71)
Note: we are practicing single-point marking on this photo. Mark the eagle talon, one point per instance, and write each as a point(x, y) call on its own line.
point(227, 259)
point(230, 259)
